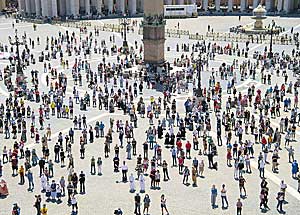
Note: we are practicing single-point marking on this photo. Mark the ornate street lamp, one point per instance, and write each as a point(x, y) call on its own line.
point(271, 41)
point(124, 21)
point(20, 78)
point(199, 62)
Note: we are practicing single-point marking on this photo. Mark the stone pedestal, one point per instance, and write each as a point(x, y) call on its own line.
point(154, 44)
point(217, 3)
point(132, 7)
point(230, 5)
point(154, 33)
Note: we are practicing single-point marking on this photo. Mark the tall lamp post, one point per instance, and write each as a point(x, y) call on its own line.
point(20, 78)
point(124, 21)
point(199, 66)
point(271, 41)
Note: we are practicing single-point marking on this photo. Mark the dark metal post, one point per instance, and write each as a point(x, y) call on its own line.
point(199, 62)
point(125, 22)
point(20, 78)
point(271, 42)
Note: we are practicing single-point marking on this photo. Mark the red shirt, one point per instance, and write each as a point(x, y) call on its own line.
point(179, 144)
point(188, 145)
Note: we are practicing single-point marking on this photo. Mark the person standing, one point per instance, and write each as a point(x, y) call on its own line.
point(239, 206)
point(70, 189)
point(186, 174)
point(137, 200)
point(99, 165)
point(201, 168)
point(131, 182)
point(214, 193)
point(165, 170)
point(142, 183)
point(163, 204)
point(295, 169)
point(146, 204)
point(261, 167)
point(124, 172)
point(44, 210)
point(242, 182)
point(62, 184)
point(224, 197)
point(22, 174)
point(74, 204)
point(280, 200)
point(37, 204)
point(30, 180)
point(93, 166)
point(82, 182)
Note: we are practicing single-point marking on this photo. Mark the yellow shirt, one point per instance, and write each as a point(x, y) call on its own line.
point(44, 211)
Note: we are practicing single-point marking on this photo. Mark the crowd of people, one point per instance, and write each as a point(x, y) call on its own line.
point(223, 120)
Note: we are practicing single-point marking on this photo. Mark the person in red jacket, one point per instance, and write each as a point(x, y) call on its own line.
point(179, 145)
point(180, 163)
point(263, 143)
point(188, 147)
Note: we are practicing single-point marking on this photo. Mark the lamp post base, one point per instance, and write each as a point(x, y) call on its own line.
point(125, 48)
